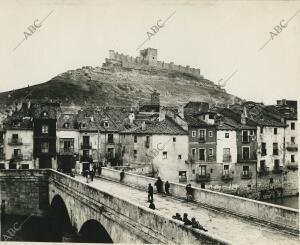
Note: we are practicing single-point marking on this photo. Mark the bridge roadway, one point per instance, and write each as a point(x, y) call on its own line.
point(227, 226)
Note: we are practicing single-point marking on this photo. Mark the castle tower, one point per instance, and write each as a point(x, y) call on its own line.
point(155, 98)
point(149, 56)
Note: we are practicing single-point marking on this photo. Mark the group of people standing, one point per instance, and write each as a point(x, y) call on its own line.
point(90, 173)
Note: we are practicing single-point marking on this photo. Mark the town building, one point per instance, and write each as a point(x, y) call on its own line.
point(67, 142)
point(44, 134)
point(18, 139)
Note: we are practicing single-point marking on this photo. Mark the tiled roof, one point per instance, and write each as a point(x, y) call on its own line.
point(167, 126)
point(192, 120)
point(67, 121)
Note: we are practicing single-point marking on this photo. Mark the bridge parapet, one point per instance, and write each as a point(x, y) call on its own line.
point(279, 216)
point(150, 224)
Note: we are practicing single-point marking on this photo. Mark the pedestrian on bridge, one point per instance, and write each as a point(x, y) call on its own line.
point(196, 224)
point(100, 168)
point(189, 192)
point(159, 185)
point(152, 206)
point(150, 193)
point(186, 220)
point(167, 188)
point(122, 175)
point(92, 174)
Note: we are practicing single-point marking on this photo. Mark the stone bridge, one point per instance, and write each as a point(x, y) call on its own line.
point(107, 211)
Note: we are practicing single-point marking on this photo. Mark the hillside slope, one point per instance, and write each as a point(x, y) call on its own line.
point(119, 87)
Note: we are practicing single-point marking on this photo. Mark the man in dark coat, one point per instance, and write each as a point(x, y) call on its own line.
point(159, 185)
point(122, 175)
point(167, 188)
point(150, 193)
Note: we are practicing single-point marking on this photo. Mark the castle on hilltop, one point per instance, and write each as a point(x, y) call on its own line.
point(147, 60)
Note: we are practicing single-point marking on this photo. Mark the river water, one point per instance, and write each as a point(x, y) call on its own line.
point(291, 202)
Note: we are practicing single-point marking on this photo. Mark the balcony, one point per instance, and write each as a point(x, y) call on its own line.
point(202, 140)
point(292, 165)
point(66, 151)
point(277, 170)
point(84, 158)
point(246, 175)
point(226, 158)
point(211, 158)
point(202, 178)
point(86, 146)
point(247, 158)
point(14, 141)
point(291, 146)
point(263, 171)
point(227, 176)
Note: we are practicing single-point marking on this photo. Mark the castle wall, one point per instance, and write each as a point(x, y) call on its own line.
point(138, 63)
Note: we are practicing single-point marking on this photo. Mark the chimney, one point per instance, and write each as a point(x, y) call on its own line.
point(143, 125)
point(181, 111)
point(244, 116)
point(131, 117)
point(162, 114)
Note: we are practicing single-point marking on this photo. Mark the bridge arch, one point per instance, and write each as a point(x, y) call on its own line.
point(93, 232)
point(59, 219)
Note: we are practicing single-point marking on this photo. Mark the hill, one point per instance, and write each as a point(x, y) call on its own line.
point(117, 86)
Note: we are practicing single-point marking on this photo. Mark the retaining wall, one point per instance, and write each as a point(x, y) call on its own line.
point(275, 214)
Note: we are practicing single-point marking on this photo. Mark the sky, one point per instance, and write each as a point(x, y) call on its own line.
point(222, 38)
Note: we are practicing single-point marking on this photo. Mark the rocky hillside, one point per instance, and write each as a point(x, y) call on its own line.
point(119, 87)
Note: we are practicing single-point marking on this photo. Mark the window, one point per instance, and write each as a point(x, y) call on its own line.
point(262, 165)
point(2, 166)
point(226, 155)
point(134, 154)
point(293, 140)
point(106, 124)
point(203, 170)
point(276, 164)
point(292, 126)
point(251, 132)
point(275, 131)
point(226, 169)
point(226, 135)
point(246, 168)
point(16, 124)
point(45, 147)
point(45, 114)
point(261, 130)
point(275, 149)
point(246, 153)
point(86, 140)
point(193, 152)
point(202, 134)
point(210, 133)
point(202, 154)
point(245, 136)
point(292, 158)
point(165, 155)
point(193, 171)
point(135, 138)
point(203, 117)
point(25, 166)
point(45, 129)
point(263, 149)
point(110, 153)
point(17, 152)
point(110, 138)
point(179, 156)
point(211, 116)
point(174, 139)
point(66, 125)
point(193, 133)
point(210, 152)
point(83, 125)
